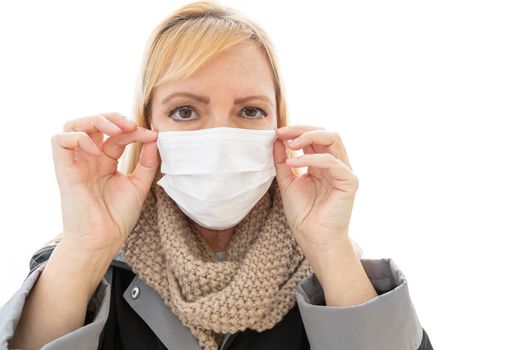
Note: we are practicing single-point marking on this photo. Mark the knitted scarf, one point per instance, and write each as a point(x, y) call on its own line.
point(252, 288)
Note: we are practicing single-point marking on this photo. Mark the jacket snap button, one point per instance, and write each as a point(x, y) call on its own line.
point(135, 292)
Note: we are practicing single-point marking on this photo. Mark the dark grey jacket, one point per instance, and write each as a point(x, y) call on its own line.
point(125, 313)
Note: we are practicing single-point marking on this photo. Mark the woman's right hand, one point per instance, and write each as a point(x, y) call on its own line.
point(100, 205)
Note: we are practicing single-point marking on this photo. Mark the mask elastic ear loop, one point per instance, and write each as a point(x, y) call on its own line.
point(293, 153)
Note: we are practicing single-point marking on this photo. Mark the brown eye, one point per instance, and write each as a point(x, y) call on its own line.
point(184, 113)
point(252, 113)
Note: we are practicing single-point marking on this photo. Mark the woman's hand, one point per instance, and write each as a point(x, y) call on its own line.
point(318, 204)
point(100, 205)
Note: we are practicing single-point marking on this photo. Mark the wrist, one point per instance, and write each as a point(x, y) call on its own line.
point(333, 259)
point(341, 274)
point(320, 254)
point(82, 268)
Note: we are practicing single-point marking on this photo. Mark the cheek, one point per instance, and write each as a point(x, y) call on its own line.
point(268, 123)
point(265, 124)
point(162, 124)
point(273, 120)
point(276, 122)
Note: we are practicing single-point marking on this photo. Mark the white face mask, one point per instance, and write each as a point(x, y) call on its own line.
point(216, 175)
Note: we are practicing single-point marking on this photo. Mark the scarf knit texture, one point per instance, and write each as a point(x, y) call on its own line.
point(252, 288)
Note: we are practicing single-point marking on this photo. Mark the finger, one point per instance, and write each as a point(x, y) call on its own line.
point(64, 146)
point(330, 141)
point(107, 123)
point(292, 131)
point(97, 137)
point(336, 168)
point(115, 145)
point(283, 172)
point(116, 119)
point(146, 169)
point(95, 127)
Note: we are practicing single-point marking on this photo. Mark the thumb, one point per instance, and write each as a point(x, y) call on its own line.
point(146, 168)
point(283, 171)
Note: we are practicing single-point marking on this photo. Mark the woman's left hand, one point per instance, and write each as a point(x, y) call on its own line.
point(318, 204)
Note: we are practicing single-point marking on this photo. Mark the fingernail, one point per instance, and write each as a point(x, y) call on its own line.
point(112, 126)
point(149, 131)
point(128, 120)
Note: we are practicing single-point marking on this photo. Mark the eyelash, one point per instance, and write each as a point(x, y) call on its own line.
point(177, 108)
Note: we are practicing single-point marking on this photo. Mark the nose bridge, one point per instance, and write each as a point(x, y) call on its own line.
point(220, 116)
point(220, 119)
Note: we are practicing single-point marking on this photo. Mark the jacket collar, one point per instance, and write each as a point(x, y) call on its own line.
point(150, 306)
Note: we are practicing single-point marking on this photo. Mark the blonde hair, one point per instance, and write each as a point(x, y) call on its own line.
point(181, 44)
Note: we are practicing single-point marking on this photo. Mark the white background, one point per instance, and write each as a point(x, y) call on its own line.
point(428, 96)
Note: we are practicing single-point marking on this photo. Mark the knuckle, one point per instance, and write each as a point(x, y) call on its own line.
point(341, 163)
point(336, 135)
point(356, 180)
point(301, 138)
point(330, 157)
point(306, 127)
point(311, 132)
point(67, 126)
point(119, 114)
point(78, 134)
point(84, 136)
point(54, 139)
point(101, 117)
point(310, 135)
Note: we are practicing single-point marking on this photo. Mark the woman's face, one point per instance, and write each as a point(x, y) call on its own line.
point(233, 89)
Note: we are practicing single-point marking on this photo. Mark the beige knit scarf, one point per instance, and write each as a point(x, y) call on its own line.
point(252, 288)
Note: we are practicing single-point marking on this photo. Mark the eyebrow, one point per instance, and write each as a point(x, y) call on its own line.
point(206, 100)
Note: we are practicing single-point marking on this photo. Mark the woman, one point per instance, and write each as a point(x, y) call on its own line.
point(214, 239)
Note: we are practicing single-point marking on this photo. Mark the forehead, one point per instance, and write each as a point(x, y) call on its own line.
point(242, 57)
point(242, 68)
